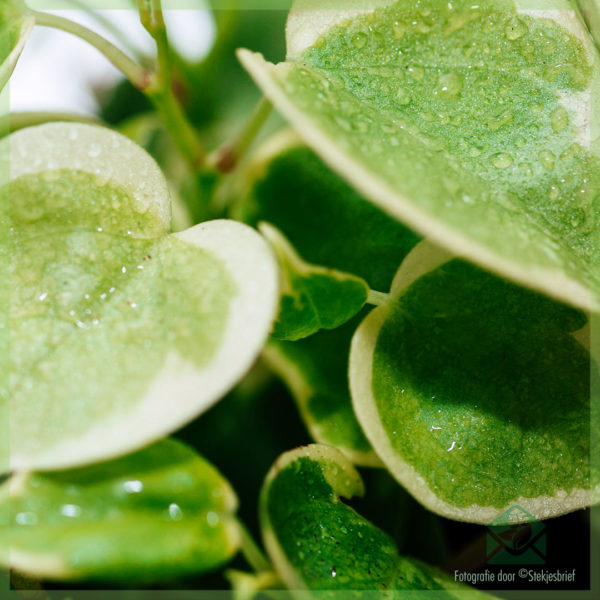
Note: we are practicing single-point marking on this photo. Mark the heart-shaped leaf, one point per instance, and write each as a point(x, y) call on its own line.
point(15, 26)
point(162, 512)
point(317, 542)
point(119, 333)
point(326, 221)
point(316, 372)
point(475, 393)
point(312, 297)
point(471, 123)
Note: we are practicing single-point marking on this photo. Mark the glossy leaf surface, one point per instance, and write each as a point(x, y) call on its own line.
point(159, 513)
point(441, 115)
point(475, 394)
point(119, 333)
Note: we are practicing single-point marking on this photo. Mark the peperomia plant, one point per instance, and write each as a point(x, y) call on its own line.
point(415, 256)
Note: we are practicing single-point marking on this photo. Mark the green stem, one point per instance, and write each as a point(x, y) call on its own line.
point(179, 128)
point(109, 25)
point(377, 298)
point(161, 92)
point(252, 553)
point(226, 158)
point(140, 77)
point(20, 120)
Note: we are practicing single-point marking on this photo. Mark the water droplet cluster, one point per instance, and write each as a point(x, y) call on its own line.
point(448, 101)
point(97, 301)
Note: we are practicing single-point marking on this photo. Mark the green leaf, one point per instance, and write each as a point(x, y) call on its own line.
point(471, 124)
point(15, 26)
point(160, 513)
point(590, 10)
point(317, 542)
point(316, 372)
point(119, 333)
point(312, 297)
point(475, 393)
point(323, 217)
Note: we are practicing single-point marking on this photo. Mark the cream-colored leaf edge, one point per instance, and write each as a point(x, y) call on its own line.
point(552, 282)
point(10, 62)
point(93, 149)
point(293, 377)
point(423, 259)
point(180, 391)
point(49, 566)
point(350, 487)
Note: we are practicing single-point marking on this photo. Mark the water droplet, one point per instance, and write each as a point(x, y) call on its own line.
point(554, 193)
point(516, 28)
point(175, 512)
point(26, 518)
point(134, 486)
point(496, 122)
point(333, 572)
point(475, 151)
point(559, 119)
point(450, 86)
point(527, 48)
point(520, 141)
point(399, 29)
point(403, 96)
point(547, 159)
point(502, 160)
point(548, 45)
point(536, 108)
point(417, 73)
point(70, 510)
point(359, 40)
point(526, 168)
point(212, 518)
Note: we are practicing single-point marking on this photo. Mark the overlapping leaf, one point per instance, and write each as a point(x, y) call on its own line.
point(316, 372)
point(119, 333)
point(471, 123)
point(317, 542)
point(15, 26)
point(312, 297)
point(475, 393)
point(159, 513)
point(329, 224)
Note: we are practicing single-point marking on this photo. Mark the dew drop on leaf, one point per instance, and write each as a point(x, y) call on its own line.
point(501, 160)
point(515, 29)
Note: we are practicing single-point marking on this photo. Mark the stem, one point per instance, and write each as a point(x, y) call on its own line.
point(377, 298)
point(227, 157)
point(109, 25)
point(140, 77)
point(252, 553)
point(161, 91)
point(20, 120)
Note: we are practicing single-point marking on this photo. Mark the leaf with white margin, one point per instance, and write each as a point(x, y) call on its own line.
point(119, 333)
point(590, 10)
point(315, 370)
point(15, 26)
point(312, 297)
point(317, 542)
point(470, 124)
point(161, 512)
point(475, 393)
